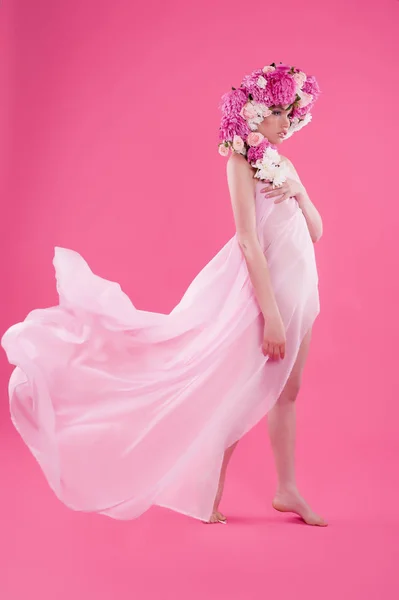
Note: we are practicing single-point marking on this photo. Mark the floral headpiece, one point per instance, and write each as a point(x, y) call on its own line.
point(244, 108)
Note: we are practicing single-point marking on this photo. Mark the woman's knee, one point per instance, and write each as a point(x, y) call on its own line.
point(293, 384)
point(291, 389)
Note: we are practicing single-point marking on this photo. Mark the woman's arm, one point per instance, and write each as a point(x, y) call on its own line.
point(312, 215)
point(242, 193)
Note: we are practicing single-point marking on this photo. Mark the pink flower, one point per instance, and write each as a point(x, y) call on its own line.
point(311, 87)
point(299, 112)
point(248, 111)
point(300, 79)
point(283, 68)
point(256, 152)
point(255, 138)
point(233, 101)
point(238, 143)
point(232, 125)
point(223, 150)
point(250, 83)
point(281, 88)
point(305, 99)
point(268, 69)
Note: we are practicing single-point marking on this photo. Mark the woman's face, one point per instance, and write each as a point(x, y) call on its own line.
point(275, 126)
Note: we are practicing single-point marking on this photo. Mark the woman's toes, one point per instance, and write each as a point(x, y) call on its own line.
point(216, 517)
point(212, 519)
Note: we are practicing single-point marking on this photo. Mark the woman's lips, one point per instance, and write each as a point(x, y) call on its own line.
point(282, 134)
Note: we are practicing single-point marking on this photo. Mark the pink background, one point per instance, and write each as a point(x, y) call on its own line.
point(90, 89)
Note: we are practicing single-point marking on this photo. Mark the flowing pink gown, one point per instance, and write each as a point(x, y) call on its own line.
point(123, 408)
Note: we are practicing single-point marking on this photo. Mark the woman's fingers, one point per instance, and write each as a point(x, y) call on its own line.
point(276, 192)
point(268, 187)
point(274, 351)
point(283, 197)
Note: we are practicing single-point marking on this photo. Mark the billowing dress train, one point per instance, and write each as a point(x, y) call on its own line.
point(124, 408)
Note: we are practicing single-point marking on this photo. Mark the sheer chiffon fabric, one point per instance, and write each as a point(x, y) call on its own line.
point(124, 408)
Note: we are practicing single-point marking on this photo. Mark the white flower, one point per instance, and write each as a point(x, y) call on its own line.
point(268, 69)
point(267, 173)
point(263, 109)
point(270, 167)
point(271, 156)
point(296, 125)
point(280, 175)
point(252, 123)
point(261, 82)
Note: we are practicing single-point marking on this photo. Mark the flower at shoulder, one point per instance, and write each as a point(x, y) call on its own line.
point(271, 168)
point(238, 144)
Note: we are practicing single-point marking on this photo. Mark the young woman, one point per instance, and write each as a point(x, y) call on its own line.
point(125, 409)
point(274, 127)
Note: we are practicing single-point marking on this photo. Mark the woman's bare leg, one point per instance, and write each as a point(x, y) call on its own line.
point(217, 516)
point(282, 426)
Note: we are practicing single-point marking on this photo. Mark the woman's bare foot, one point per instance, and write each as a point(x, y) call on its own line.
point(292, 501)
point(216, 517)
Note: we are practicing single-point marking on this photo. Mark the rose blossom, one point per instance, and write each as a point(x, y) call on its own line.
point(255, 138)
point(268, 69)
point(248, 111)
point(223, 150)
point(238, 143)
point(305, 99)
point(300, 79)
point(256, 152)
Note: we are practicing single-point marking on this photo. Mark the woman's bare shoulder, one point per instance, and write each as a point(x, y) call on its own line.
point(238, 161)
point(238, 166)
point(289, 164)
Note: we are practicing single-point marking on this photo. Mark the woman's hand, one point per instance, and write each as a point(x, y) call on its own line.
point(289, 189)
point(274, 337)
